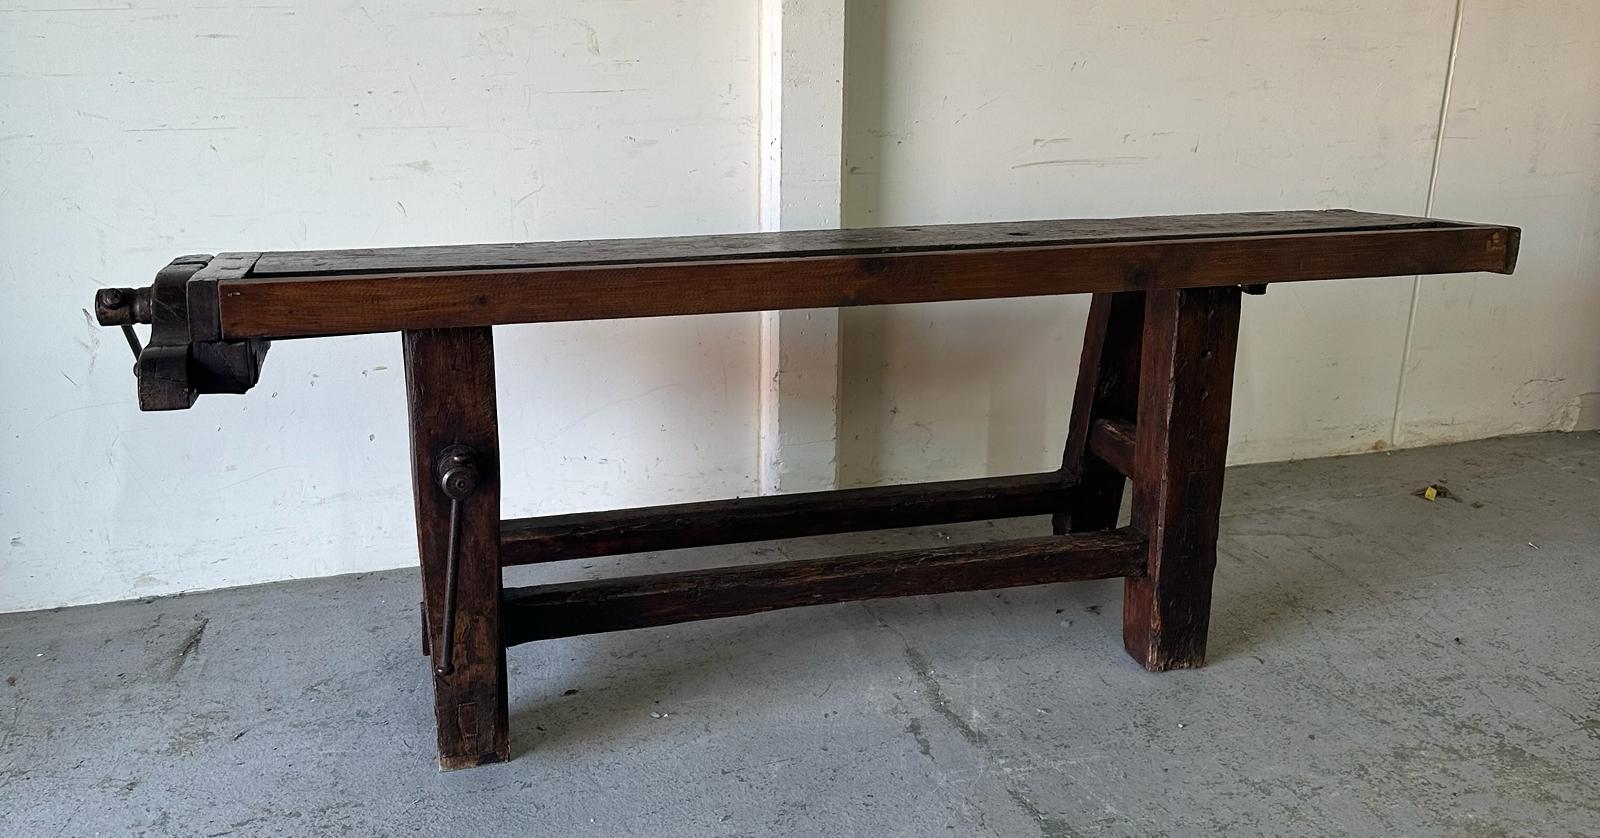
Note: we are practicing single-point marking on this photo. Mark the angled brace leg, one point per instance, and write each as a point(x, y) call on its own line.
point(1108, 389)
point(451, 396)
point(1181, 446)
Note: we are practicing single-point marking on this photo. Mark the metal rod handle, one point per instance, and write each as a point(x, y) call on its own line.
point(457, 469)
point(133, 342)
point(452, 562)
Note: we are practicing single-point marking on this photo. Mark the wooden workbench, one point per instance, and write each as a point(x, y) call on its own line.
point(1151, 408)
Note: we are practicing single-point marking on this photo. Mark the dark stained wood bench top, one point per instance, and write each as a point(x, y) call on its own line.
point(309, 293)
point(805, 243)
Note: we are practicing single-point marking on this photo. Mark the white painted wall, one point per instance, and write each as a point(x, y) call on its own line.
point(130, 133)
point(959, 111)
point(1522, 145)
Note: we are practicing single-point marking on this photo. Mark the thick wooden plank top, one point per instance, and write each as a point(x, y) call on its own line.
point(311, 293)
point(808, 243)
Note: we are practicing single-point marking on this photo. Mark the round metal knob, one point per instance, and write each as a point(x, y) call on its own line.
point(122, 306)
point(458, 472)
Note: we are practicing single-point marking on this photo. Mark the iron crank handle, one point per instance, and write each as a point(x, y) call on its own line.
point(457, 470)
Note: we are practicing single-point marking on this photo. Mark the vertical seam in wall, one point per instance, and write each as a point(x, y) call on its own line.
point(1427, 210)
point(769, 216)
point(769, 95)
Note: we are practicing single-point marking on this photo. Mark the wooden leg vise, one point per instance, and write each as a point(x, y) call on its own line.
point(455, 450)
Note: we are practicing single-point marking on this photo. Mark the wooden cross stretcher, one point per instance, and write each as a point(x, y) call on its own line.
point(1151, 408)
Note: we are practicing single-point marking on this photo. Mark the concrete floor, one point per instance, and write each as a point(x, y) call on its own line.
point(1380, 665)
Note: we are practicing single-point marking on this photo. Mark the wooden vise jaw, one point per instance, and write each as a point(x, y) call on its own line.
point(185, 355)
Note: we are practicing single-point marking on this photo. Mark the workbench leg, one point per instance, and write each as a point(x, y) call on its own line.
point(1108, 388)
point(450, 394)
point(1186, 374)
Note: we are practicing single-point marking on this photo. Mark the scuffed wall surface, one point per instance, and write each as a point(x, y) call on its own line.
point(133, 132)
point(1521, 146)
point(961, 112)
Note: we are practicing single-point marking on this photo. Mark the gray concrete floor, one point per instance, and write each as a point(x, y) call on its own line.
point(1380, 665)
